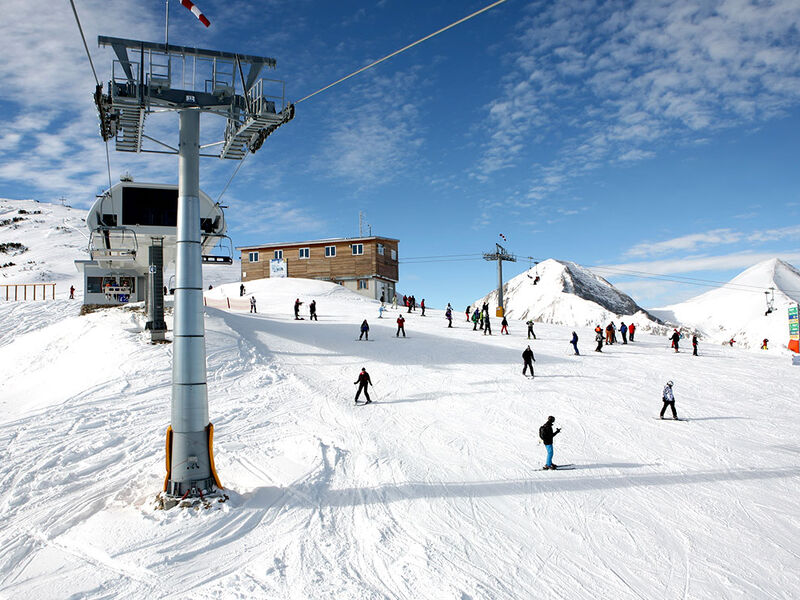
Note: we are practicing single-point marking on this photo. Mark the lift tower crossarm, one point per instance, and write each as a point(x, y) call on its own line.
point(500, 255)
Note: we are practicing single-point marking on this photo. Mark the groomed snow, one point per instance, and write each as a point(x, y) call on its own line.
point(435, 491)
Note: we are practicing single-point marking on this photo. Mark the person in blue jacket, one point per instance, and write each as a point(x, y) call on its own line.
point(623, 329)
point(574, 343)
point(364, 330)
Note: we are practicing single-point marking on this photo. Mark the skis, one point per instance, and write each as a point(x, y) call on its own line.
point(669, 419)
point(568, 467)
point(364, 403)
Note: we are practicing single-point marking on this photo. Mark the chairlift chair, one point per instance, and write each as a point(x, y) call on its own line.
point(226, 257)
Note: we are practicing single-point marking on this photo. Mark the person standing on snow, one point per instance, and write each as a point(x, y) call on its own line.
point(297, 305)
point(400, 326)
point(764, 344)
point(623, 330)
point(405, 300)
point(527, 360)
point(72, 292)
point(253, 304)
point(504, 325)
point(669, 400)
point(466, 312)
point(312, 309)
point(574, 343)
point(631, 331)
point(694, 344)
point(364, 330)
point(363, 381)
point(448, 314)
point(475, 319)
point(394, 301)
point(383, 299)
point(546, 434)
point(529, 323)
point(487, 326)
point(598, 338)
point(675, 337)
point(422, 307)
point(241, 290)
point(480, 318)
point(380, 311)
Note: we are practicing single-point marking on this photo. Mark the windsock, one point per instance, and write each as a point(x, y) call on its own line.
point(504, 237)
point(196, 12)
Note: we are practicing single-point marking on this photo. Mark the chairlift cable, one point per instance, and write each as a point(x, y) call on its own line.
point(403, 49)
point(230, 179)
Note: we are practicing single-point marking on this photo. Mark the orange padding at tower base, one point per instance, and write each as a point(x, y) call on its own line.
point(794, 345)
point(169, 456)
point(210, 430)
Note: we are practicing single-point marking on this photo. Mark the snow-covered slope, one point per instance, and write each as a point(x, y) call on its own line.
point(434, 491)
point(737, 310)
point(568, 294)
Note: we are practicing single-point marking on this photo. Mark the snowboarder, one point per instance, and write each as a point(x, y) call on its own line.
point(675, 337)
point(422, 307)
point(631, 331)
point(694, 344)
point(764, 344)
point(598, 338)
point(504, 325)
point(72, 292)
point(394, 302)
point(400, 326)
point(448, 314)
point(527, 360)
point(312, 309)
point(546, 434)
point(253, 304)
point(363, 381)
point(574, 343)
point(487, 326)
point(297, 305)
point(466, 312)
point(529, 323)
point(669, 400)
point(475, 319)
point(241, 290)
point(364, 330)
point(623, 330)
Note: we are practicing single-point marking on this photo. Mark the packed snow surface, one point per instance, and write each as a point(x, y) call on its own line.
point(738, 309)
point(435, 491)
point(567, 294)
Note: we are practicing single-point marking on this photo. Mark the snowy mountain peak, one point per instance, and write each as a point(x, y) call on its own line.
point(565, 293)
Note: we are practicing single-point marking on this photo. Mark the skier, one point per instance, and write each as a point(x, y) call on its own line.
point(529, 323)
point(380, 311)
point(623, 329)
point(363, 381)
point(394, 301)
point(528, 360)
point(400, 326)
point(504, 325)
point(383, 300)
point(480, 318)
point(694, 344)
point(241, 290)
point(609, 331)
point(312, 309)
point(475, 319)
point(297, 305)
point(413, 303)
point(631, 331)
point(211, 287)
point(448, 314)
point(466, 312)
point(253, 304)
point(675, 337)
point(669, 400)
point(764, 344)
point(422, 307)
point(364, 330)
point(574, 343)
point(72, 292)
point(487, 326)
point(410, 303)
point(405, 300)
point(613, 333)
point(732, 342)
point(546, 434)
point(598, 338)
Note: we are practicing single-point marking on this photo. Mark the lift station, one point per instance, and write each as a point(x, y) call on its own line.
point(150, 78)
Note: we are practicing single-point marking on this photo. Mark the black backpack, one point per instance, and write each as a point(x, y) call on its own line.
point(541, 431)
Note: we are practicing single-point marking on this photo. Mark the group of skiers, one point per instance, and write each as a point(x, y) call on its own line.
point(609, 335)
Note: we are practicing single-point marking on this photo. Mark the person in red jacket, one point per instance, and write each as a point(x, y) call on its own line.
point(400, 326)
point(631, 331)
point(363, 381)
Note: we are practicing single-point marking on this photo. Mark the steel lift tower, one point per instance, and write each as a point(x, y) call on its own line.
point(500, 255)
point(152, 78)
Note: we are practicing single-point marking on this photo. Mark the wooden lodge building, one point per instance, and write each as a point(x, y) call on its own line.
point(367, 265)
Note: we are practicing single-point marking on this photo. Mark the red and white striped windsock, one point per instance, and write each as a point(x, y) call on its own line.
point(196, 12)
point(504, 237)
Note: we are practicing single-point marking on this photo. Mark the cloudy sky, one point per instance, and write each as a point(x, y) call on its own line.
point(659, 137)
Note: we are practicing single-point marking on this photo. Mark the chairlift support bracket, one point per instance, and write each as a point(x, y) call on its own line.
point(500, 254)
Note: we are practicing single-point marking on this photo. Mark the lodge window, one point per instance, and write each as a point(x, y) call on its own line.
point(394, 254)
point(252, 256)
point(358, 249)
point(278, 254)
point(330, 251)
point(304, 253)
point(380, 249)
point(363, 284)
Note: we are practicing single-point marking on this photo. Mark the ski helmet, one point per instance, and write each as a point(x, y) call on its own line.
point(669, 383)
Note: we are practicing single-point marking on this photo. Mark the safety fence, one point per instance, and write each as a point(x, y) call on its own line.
point(227, 303)
point(27, 291)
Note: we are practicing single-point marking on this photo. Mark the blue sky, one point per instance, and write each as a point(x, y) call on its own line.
point(656, 136)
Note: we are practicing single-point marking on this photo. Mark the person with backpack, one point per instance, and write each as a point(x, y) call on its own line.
point(527, 360)
point(598, 337)
point(574, 343)
point(364, 330)
point(529, 323)
point(675, 337)
point(631, 331)
point(504, 326)
point(400, 326)
point(312, 309)
point(363, 381)
point(546, 434)
point(475, 319)
point(448, 314)
point(694, 344)
point(623, 330)
point(669, 400)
